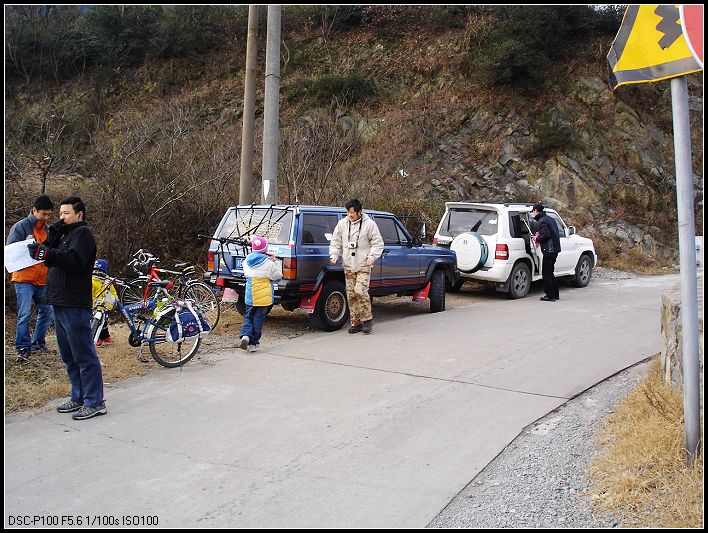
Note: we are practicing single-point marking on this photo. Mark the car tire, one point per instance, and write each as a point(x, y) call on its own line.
point(332, 309)
point(436, 294)
point(583, 272)
point(519, 281)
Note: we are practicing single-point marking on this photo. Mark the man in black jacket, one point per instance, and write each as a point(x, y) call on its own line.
point(70, 251)
point(549, 238)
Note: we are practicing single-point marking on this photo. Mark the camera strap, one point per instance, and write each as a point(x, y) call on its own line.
point(358, 232)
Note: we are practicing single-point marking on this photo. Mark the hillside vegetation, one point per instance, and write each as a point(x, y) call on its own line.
point(138, 109)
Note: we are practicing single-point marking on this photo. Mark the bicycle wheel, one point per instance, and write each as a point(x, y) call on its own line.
point(132, 292)
point(170, 354)
point(203, 300)
point(97, 321)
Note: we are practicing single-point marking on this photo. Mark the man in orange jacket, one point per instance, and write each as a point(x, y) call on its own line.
point(30, 283)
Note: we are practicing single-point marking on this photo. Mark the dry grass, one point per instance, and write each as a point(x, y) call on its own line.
point(643, 478)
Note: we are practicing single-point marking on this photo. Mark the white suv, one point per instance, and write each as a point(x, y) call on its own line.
point(493, 243)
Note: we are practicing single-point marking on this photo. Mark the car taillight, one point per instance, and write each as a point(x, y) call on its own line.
point(435, 241)
point(501, 252)
point(210, 260)
point(289, 267)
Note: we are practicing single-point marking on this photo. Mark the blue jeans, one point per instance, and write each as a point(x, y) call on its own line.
point(26, 294)
point(73, 327)
point(253, 322)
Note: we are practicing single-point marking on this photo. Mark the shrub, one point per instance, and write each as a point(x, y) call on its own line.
point(520, 45)
point(321, 91)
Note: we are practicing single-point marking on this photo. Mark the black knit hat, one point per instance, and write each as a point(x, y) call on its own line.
point(43, 202)
point(538, 207)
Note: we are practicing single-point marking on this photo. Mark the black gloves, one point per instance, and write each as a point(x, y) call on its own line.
point(39, 251)
point(53, 231)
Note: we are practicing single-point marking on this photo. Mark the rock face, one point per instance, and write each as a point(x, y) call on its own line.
point(606, 167)
point(671, 355)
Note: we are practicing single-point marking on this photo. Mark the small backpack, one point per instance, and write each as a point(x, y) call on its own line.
point(187, 322)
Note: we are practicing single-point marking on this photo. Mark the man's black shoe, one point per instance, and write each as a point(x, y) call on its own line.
point(547, 299)
point(355, 328)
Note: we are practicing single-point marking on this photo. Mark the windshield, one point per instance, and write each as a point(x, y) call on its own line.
point(273, 224)
point(458, 221)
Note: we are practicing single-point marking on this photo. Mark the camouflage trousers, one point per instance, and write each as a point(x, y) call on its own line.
point(358, 295)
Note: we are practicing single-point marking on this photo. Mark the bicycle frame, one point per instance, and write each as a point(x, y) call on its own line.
point(131, 310)
point(154, 275)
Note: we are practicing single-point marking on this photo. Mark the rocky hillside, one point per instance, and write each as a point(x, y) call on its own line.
point(393, 108)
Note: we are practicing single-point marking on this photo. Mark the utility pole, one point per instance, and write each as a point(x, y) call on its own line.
point(245, 196)
point(687, 255)
point(271, 108)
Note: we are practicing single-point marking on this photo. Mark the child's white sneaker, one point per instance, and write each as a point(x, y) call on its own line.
point(252, 348)
point(244, 342)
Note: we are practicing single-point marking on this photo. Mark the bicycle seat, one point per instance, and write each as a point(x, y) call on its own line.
point(183, 265)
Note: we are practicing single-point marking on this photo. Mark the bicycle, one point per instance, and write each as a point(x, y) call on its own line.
point(148, 325)
point(186, 286)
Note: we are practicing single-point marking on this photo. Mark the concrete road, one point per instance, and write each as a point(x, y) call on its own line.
point(329, 430)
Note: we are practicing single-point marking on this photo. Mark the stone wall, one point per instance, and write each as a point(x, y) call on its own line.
point(671, 356)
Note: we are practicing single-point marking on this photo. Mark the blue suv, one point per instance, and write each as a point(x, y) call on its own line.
point(299, 235)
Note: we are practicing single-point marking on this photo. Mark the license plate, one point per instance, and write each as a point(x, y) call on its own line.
point(238, 263)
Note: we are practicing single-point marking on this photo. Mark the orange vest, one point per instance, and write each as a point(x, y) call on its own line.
point(35, 274)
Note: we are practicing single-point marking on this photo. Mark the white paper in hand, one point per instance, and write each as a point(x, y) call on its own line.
point(17, 256)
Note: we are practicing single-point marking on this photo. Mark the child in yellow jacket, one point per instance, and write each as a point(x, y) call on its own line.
point(102, 296)
point(261, 270)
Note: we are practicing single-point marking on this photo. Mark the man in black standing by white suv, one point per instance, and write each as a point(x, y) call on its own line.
point(549, 239)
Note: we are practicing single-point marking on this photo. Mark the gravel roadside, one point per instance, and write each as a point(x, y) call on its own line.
point(539, 480)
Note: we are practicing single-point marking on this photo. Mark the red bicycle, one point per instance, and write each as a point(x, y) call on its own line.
point(185, 285)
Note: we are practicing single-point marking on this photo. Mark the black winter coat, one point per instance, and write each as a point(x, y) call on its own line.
point(70, 266)
point(549, 239)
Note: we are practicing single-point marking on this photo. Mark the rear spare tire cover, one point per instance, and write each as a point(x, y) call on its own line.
point(471, 250)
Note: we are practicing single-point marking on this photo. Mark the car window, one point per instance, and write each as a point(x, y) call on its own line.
point(481, 221)
point(402, 237)
point(273, 224)
point(559, 223)
point(318, 228)
point(516, 226)
point(388, 229)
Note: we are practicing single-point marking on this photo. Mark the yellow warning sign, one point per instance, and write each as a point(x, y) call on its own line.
point(650, 46)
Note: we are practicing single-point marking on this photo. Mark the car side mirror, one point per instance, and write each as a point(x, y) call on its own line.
point(571, 230)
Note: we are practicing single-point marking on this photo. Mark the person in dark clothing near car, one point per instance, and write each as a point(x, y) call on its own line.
point(547, 235)
point(70, 251)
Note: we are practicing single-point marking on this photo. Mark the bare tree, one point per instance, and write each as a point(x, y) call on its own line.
point(312, 153)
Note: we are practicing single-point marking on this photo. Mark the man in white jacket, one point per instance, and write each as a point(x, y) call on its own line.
point(358, 239)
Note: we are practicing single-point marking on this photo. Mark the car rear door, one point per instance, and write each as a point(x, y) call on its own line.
point(315, 235)
point(568, 256)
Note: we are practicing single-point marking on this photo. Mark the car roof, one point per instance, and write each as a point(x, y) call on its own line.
point(517, 205)
point(311, 208)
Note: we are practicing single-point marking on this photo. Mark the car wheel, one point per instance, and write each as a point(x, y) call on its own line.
point(519, 281)
point(583, 272)
point(436, 294)
point(331, 311)
point(471, 250)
